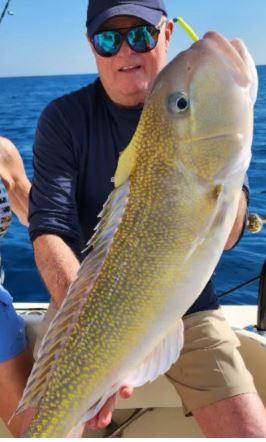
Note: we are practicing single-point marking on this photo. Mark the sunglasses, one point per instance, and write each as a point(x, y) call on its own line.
point(140, 39)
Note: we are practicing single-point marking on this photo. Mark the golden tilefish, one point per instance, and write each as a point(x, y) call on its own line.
point(160, 236)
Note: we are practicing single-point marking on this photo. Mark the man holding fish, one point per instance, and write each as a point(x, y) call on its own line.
point(78, 144)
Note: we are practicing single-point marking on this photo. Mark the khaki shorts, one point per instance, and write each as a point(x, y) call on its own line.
point(210, 367)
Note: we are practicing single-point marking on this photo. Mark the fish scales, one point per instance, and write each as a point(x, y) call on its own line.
point(162, 232)
point(127, 293)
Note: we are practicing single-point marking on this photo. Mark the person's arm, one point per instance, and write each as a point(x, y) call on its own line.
point(57, 263)
point(13, 175)
point(239, 224)
point(53, 213)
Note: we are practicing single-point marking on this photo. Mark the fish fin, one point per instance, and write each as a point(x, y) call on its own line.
point(78, 294)
point(111, 216)
point(154, 365)
point(76, 432)
point(216, 194)
point(161, 358)
point(125, 165)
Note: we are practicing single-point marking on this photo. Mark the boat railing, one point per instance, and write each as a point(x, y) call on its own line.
point(255, 224)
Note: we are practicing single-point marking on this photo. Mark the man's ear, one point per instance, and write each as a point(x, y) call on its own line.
point(169, 29)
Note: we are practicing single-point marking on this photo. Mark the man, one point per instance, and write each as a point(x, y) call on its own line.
point(15, 360)
point(76, 150)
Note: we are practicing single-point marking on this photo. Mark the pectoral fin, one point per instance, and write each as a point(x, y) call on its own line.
point(219, 207)
point(126, 165)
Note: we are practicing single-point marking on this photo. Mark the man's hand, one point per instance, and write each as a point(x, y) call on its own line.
point(104, 417)
point(102, 420)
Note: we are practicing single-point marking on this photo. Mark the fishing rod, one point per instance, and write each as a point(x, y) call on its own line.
point(5, 11)
point(240, 286)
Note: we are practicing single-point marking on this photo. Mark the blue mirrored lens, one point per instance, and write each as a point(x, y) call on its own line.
point(107, 43)
point(142, 39)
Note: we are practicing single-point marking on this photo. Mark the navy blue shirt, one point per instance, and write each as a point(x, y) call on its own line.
point(77, 145)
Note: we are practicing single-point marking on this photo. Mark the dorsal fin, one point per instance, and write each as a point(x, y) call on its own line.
point(62, 325)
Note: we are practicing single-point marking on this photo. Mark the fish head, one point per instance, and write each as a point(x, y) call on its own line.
point(204, 101)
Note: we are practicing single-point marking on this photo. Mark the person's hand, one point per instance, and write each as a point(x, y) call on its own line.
point(104, 417)
point(102, 420)
point(237, 229)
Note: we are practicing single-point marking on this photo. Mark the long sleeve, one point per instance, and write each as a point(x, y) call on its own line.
point(52, 207)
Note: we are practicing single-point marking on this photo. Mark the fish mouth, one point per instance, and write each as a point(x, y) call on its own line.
point(217, 137)
point(234, 52)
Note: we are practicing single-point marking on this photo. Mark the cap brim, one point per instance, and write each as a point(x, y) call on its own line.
point(152, 16)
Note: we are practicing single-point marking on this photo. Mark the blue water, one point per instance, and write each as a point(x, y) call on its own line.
point(21, 101)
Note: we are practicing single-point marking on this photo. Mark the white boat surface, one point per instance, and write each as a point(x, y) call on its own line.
point(155, 409)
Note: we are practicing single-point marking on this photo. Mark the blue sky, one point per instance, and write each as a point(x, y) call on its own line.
point(46, 37)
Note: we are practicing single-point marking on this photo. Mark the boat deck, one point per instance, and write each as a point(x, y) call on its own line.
point(155, 409)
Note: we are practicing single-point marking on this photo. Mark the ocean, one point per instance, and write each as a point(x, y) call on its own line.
point(21, 102)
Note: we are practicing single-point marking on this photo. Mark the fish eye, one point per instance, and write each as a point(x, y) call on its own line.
point(178, 103)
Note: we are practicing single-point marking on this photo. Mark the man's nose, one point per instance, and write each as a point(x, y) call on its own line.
point(125, 49)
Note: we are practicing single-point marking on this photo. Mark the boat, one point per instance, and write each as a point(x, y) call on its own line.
point(155, 410)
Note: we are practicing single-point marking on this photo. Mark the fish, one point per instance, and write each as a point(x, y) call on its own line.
point(161, 234)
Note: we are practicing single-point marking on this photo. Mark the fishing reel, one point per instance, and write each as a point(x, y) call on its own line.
point(255, 223)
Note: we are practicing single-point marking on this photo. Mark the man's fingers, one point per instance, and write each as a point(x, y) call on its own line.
point(106, 413)
point(104, 417)
point(92, 424)
point(126, 392)
point(105, 420)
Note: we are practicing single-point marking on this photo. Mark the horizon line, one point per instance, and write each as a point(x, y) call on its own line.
point(48, 75)
point(66, 75)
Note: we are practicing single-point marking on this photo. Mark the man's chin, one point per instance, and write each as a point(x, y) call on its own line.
point(134, 98)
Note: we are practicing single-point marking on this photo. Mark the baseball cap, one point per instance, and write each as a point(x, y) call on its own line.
point(99, 11)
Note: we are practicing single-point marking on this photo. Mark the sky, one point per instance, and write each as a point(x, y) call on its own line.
point(47, 37)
